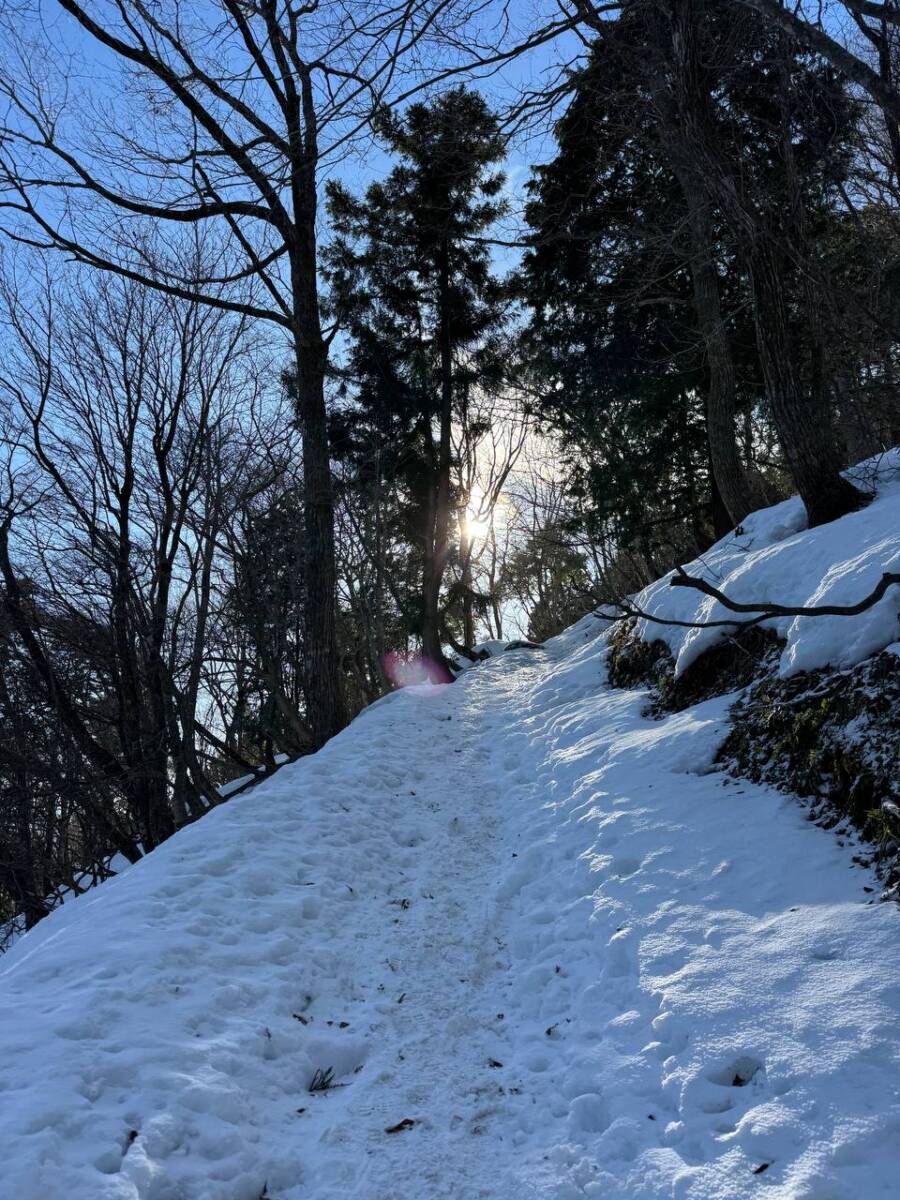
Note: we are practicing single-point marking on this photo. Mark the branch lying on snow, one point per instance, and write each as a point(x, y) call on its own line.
point(625, 608)
point(763, 609)
point(682, 579)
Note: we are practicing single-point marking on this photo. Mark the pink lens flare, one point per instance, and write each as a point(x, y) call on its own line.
point(405, 670)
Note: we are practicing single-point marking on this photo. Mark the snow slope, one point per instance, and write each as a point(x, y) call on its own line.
point(512, 911)
point(775, 558)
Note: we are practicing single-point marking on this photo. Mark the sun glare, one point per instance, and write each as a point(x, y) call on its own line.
point(477, 527)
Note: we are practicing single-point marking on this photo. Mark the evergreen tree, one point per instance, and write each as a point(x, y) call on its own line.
point(613, 339)
point(411, 274)
point(699, 155)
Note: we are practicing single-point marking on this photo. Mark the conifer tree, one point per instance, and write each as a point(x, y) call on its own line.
point(699, 158)
point(412, 276)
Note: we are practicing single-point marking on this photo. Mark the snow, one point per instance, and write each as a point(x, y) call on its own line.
point(481, 650)
point(490, 648)
point(245, 781)
point(117, 863)
point(512, 911)
point(775, 559)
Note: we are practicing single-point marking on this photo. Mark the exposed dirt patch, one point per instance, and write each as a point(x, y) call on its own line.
point(735, 662)
point(636, 663)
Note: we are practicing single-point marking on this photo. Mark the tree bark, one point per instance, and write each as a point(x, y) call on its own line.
point(323, 685)
point(684, 121)
point(802, 420)
point(805, 428)
point(437, 560)
point(465, 579)
point(725, 461)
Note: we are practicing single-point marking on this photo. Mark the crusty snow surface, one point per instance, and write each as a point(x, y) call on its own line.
point(511, 910)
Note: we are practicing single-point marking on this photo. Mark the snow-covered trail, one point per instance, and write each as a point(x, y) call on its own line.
point(161, 1033)
point(428, 998)
point(511, 911)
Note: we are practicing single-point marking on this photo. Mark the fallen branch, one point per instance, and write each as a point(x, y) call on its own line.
point(625, 608)
point(766, 609)
point(763, 609)
point(406, 1123)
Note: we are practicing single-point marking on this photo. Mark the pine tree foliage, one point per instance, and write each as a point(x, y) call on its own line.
point(413, 281)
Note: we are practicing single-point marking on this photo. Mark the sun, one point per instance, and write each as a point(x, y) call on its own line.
point(477, 527)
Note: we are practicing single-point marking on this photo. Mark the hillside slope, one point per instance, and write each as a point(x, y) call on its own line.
point(773, 557)
point(512, 911)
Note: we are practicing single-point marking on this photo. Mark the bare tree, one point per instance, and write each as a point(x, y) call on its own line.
point(490, 436)
point(123, 397)
point(228, 113)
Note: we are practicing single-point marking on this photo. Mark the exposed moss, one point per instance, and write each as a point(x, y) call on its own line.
point(733, 663)
point(636, 663)
point(832, 736)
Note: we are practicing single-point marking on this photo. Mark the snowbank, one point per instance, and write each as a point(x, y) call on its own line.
point(776, 559)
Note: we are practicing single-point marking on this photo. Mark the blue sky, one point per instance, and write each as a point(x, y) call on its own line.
point(94, 72)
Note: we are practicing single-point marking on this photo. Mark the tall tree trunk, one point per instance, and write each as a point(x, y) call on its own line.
point(431, 632)
point(468, 608)
point(468, 600)
point(885, 45)
point(728, 471)
point(805, 428)
point(323, 688)
point(322, 678)
point(684, 120)
point(803, 422)
point(854, 426)
point(324, 694)
point(802, 414)
point(495, 603)
point(721, 518)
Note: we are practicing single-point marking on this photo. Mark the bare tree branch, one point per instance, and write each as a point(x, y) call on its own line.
point(767, 609)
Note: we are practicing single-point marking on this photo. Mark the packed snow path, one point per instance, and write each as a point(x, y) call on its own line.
point(513, 912)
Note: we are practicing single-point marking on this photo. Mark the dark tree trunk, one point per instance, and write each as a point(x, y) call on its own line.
point(468, 600)
point(436, 561)
point(769, 240)
point(684, 123)
point(323, 686)
point(465, 580)
point(805, 429)
point(326, 713)
point(728, 471)
point(802, 414)
point(721, 518)
point(883, 43)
